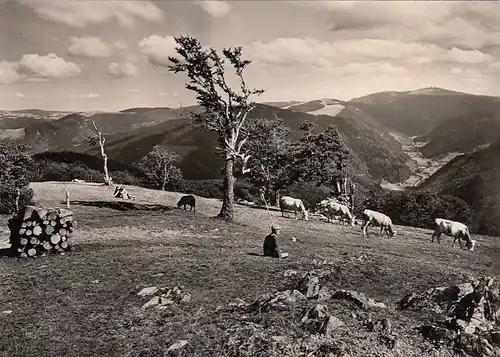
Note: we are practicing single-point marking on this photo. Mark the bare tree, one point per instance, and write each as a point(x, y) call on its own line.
point(226, 108)
point(100, 139)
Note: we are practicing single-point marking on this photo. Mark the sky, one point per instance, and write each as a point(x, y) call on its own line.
point(110, 55)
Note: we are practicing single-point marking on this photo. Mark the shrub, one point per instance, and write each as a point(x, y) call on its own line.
point(15, 172)
point(8, 197)
point(419, 209)
point(125, 178)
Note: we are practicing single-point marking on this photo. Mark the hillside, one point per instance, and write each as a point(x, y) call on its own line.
point(93, 289)
point(472, 176)
point(373, 155)
point(68, 132)
point(475, 178)
point(420, 112)
point(465, 132)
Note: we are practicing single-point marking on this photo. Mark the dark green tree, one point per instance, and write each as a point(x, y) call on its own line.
point(318, 158)
point(159, 167)
point(15, 175)
point(270, 162)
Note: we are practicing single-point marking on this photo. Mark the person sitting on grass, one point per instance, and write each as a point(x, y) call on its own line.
point(271, 246)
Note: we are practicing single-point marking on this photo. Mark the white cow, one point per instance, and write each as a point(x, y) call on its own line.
point(453, 229)
point(293, 204)
point(331, 208)
point(377, 219)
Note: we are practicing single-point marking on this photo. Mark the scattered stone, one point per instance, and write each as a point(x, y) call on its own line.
point(316, 312)
point(309, 286)
point(358, 298)
point(495, 337)
point(239, 303)
point(155, 300)
point(174, 348)
point(148, 291)
point(437, 334)
point(390, 341)
point(95, 281)
point(383, 325)
point(324, 294)
point(289, 273)
point(279, 299)
point(330, 324)
point(6, 312)
point(475, 345)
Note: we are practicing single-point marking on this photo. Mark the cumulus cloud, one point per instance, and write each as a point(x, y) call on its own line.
point(84, 96)
point(24, 96)
point(120, 45)
point(443, 23)
point(349, 53)
point(469, 57)
point(158, 49)
point(91, 47)
point(8, 72)
point(85, 13)
point(33, 65)
point(122, 70)
point(216, 8)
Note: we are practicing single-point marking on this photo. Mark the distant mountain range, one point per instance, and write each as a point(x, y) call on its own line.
point(445, 122)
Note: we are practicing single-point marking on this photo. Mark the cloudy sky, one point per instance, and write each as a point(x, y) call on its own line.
point(106, 55)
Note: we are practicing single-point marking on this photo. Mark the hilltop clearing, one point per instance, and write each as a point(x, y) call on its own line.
point(85, 303)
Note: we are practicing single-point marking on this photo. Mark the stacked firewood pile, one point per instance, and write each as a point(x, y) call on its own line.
point(36, 231)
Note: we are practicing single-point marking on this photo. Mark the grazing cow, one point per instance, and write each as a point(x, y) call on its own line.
point(293, 204)
point(453, 229)
point(377, 219)
point(78, 180)
point(335, 208)
point(187, 200)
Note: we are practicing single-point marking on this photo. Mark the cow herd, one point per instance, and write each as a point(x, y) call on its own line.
point(331, 207)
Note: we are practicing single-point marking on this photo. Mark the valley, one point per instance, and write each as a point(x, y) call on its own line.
point(421, 167)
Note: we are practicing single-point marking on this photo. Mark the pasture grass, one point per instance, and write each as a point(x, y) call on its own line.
point(85, 303)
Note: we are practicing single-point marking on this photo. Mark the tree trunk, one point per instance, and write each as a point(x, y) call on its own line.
point(106, 173)
point(226, 211)
point(164, 180)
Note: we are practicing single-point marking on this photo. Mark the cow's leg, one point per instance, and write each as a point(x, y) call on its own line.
point(295, 214)
point(437, 237)
point(365, 225)
point(433, 235)
point(282, 213)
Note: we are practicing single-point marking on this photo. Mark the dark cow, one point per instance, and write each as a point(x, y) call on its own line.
point(187, 200)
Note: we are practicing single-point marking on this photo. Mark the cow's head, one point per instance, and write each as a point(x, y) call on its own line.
point(305, 214)
point(393, 234)
point(471, 245)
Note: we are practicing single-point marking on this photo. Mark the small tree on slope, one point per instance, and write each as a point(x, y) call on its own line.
point(226, 108)
point(16, 166)
point(270, 155)
point(159, 167)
